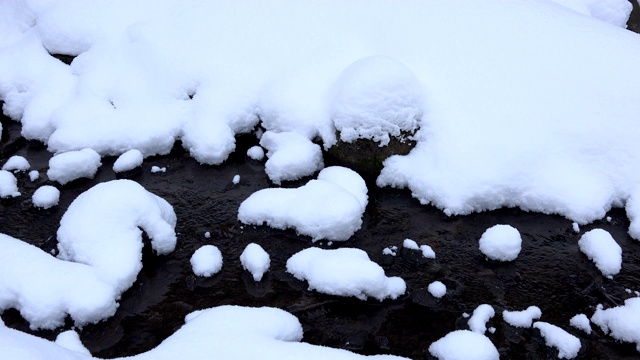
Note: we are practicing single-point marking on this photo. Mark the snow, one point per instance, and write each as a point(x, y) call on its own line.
point(344, 272)
point(522, 319)
point(390, 250)
point(70, 340)
point(568, 345)
point(576, 227)
point(437, 289)
point(291, 156)
point(427, 252)
point(581, 321)
point(34, 175)
point(256, 153)
point(501, 242)
point(73, 165)
point(330, 207)
point(481, 315)
point(464, 345)
point(128, 161)
point(410, 244)
point(605, 252)
point(8, 185)
point(207, 234)
point(46, 197)
point(621, 322)
point(615, 12)
point(16, 163)
point(255, 260)
point(236, 179)
point(157, 169)
point(206, 261)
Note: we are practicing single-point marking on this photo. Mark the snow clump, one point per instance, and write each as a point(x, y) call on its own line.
point(437, 289)
point(16, 163)
point(34, 175)
point(581, 321)
point(605, 252)
point(256, 153)
point(501, 242)
point(157, 169)
point(71, 340)
point(46, 197)
point(8, 185)
point(481, 315)
point(568, 345)
point(255, 260)
point(522, 319)
point(206, 261)
point(621, 322)
point(128, 161)
point(236, 180)
point(464, 345)
point(410, 244)
point(73, 165)
point(291, 156)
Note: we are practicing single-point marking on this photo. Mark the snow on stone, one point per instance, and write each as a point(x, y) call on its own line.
point(481, 315)
point(464, 345)
point(70, 340)
point(581, 321)
point(8, 185)
point(344, 272)
point(34, 175)
point(207, 235)
point(256, 153)
point(620, 322)
point(427, 252)
point(236, 179)
point(522, 319)
point(501, 242)
point(157, 169)
point(46, 197)
point(73, 165)
point(603, 250)
point(102, 228)
point(410, 244)
point(330, 207)
point(206, 261)
point(568, 345)
point(291, 156)
point(615, 12)
point(128, 161)
point(16, 163)
point(255, 260)
point(390, 250)
point(437, 289)
point(576, 227)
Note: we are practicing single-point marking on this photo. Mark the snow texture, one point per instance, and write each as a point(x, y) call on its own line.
point(410, 244)
point(236, 179)
point(615, 12)
point(581, 321)
point(344, 272)
point(206, 261)
point(73, 165)
point(34, 175)
point(522, 319)
point(70, 340)
point(291, 156)
point(427, 252)
point(16, 163)
point(605, 252)
point(464, 345)
point(128, 161)
point(157, 169)
point(255, 260)
point(568, 345)
point(621, 322)
point(256, 153)
point(46, 197)
point(8, 185)
point(501, 242)
point(437, 289)
point(481, 315)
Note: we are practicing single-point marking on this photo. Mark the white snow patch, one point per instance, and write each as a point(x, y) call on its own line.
point(73, 165)
point(46, 197)
point(236, 179)
point(390, 250)
point(621, 322)
point(522, 319)
point(614, 12)
point(581, 321)
point(255, 260)
point(605, 252)
point(437, 289)
point(410, 244)
point(256, 153)
point(71, 340)
point(207, 235)
point(481, 315)
point(206, 261)
point(128, 161)
point(34, 175)
point(8, 185)
point(568, 345)
point(576, 227)
point(464, 345)
point(157, 169)
point(16, 163)
point(427, 252)
point(291, 156)
point(501, 242)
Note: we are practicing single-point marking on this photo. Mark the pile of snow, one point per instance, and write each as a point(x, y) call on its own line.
point(236, 179)
point(34, 175)
point(605, 252)
point(344, 272)
point(291, 156)
point(8, 185)
point(255, 260)
point(522, 319)
point(621, 322)
point(437, 289)
point(256, 153)
point(501, 242)
point(481, 315)
point(464, 345)
point(16, 163)
point(128, 161)
point(390, 250)
point(70, 340)
point(568, 345)
point(206, 261)
point(157, 169)
point(581, 321)
point(46, 197)
point(73, 165)
point(330, 207)
point(615, 12)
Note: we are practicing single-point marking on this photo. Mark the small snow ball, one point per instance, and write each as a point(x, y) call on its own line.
point(437, 289)
point(236, 180)
point(568, 345)
point(255, 260)
point(128, 161)
point(46, 197)
point(34, 175)
point(603, 250)
point(206, 261)
point(501, 242)
point(256, 153)
point(73, 165)
point(16, 163)
point(410, 244)
point(464, 345)
point(8, 185)
point(522, 319)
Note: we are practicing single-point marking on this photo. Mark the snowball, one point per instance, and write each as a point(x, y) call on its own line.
point(501, 242)
point(568, 345)
point(621, 322)
point(16, 163)
point(410, 244)
point(236, 179)
point(8, 185)
point(255, 260)
point(70, 340)
point(605, 252)
point(73, 165)
point(478, 321)
point(581, 321)
point(291, 156)
point(464, 345)
point(34, 175)
point(522, 319)
point(427, 252)
point(206, 261)
point(157, 169)
point(256, 153)
point(437, 289)
point(128, 161)
point(344, 272)
point(576, 227)
point(46, 197)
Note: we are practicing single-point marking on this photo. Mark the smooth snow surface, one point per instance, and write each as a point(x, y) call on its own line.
point(615, 12)
point(46, 197)
point(621, 322)
point(330, 207)
point(568, 345)
point(437, 289)
point(70, 340)
point(16, 163)
point(206, 261)
point(291, 156)
point(8, 185)
point(255, 260)
point(410, 244)
point(522, 319)
point(344, 272)
point(128, 161)
point(605, 252)
point(501, 242)
point(464, 345)
point(73, 165)
point(478, 321)
point(427, 252)
point(581, 321)
point(256, 153)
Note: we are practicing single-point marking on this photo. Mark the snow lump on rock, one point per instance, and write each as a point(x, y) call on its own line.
point(501, 242)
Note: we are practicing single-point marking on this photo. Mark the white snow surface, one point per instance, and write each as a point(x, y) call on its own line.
point(605, 252)
point(481, 315)
point(16, 163)
point(73, 165)
point(344, 272)
point(128, 161)
point(330, 207)
point(615, 12)
point(256, 153)
point(8, 185)
point(206, 261)
point(568, 345)
point(236, 179)
point(464, 345)
point(255, 260)
point(34, 175)
point(437, 289)
point(71, 340)
point(620, 322)
point(157, 169)
point(501, 242)
point(523, 318)
point(46, 197)
point(427, 252)
point(410, 244)
point(581, 321)
point(291, 156)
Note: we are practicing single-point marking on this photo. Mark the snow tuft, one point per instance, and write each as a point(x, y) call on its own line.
point(568, 345)
point(605, 252)
point(206, 261)
point(73, 165)
point(46, 197)
point(501, 242)
point(255, 260)
point(464, 345)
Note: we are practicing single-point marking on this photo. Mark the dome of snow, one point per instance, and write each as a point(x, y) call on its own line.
point(46, 196)
point(464, 345)
point(8, 185)
point(501, 242)
point(16, 163)
point(128, 161)
point(206, 261)
point(73, 165)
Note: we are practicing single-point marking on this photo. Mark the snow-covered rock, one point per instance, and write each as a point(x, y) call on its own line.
point(255, 260)
point(464, 345)
point(291, 156)
point(34, 175)
point(128, 161)
point(16, 163)
point(620, 322)
point(206, 261)
point(603, 250)
point(73, 165)
point(481, 315)
point(256, 153)
point(523, 318)
point(8, 185)
point(568, 345)
point(501, 242)
point(581, 321)
point(46, 197)
point(437, 289)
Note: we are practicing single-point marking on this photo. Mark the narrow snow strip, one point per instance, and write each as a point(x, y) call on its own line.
point(568, 345)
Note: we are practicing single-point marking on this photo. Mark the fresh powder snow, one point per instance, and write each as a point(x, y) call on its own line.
point(481, 315)
point(410, 244)
point(16, 163)
point(46, 197)
point(522, 319)
point(206, 261)
point(464, 345)
point(568, 345)
point(256, 153)
point(73, 165)
point(605, 252)
point(128, 161)
point(236, 179)
point(501, 242)
point(437, 289)
point(8, 185)
point(158, 169)
point(70, 340)
point(255, 260)
point(34, 175)
point(620, 322)
point(291, 156)
point(581, 321)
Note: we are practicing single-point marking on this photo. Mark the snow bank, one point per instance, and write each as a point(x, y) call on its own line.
point(330, 207)
point(605, 252)
point(344, 272)
point(73, 165)
point(464, 345)
point(128, 161)
point(437, 289)
point(522, 319)
point(16, 163)
point(206, 261)
point(568, 345)
point(501, 242)
point(291, 156)
point(481, 315)
point(621, 322)
point(581, 321)
point(8, 185)
point(255, 260)
point(615, 12)
point(46, 197)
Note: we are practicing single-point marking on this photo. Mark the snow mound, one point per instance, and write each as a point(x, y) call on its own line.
point(501, 242)
point(255, 260)
point(481, 315)
point(291, 156)
point(8, 185)
point(256, 153)
point(73, 165)
point(614, 12)
point(605, 252)
point(206, 261)
point(344, 272)
point(464, 345)
point(71, 340)
point(621, 322)
point(437, 289)
point(46, 197)
point(410, 244)
point(522, 319)
point(581, 321)
point(16, 163)
point(128, 161)
point(568, 345)
point(328, 208)
point(34, 175)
